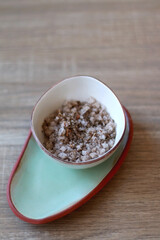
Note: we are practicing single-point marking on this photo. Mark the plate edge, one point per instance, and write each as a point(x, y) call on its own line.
point(105, 180)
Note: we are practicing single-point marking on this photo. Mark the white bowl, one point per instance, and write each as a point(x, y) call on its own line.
point(78, 88)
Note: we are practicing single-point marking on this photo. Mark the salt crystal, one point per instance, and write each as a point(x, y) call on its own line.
point(63, 148)
point(93, 155)
point(84, 110)
point(84, 152)
point(61, 131)
point(102, 137)
point(84, 158)
point(102, 150)
point(62, 155)
point(92, 119)
point(96, 104)
point(84, 123)
point(111, 143)
point(105, 145)
point(79, 147)
point(91, 100)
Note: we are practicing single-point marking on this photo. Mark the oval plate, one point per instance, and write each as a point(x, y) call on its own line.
point(40, 190)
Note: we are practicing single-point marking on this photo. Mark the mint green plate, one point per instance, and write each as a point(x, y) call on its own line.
point(41, 190)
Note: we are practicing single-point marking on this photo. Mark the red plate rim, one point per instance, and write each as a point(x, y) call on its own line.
point(105, 180)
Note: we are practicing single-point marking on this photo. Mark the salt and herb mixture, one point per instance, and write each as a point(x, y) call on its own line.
point(79, 131)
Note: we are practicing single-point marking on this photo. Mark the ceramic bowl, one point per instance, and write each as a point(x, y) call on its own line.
point(78, 88)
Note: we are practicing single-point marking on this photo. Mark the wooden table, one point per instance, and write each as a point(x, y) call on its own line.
point(117, 41)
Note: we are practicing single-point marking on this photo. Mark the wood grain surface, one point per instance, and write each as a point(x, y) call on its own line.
point(117, 41)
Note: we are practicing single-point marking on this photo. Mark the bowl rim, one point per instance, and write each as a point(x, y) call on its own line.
point(88, 162)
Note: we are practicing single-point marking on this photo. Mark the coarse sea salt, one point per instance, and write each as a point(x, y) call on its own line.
point(79, 131)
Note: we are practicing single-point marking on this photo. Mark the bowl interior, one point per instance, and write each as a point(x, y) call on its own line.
point(78, 88)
